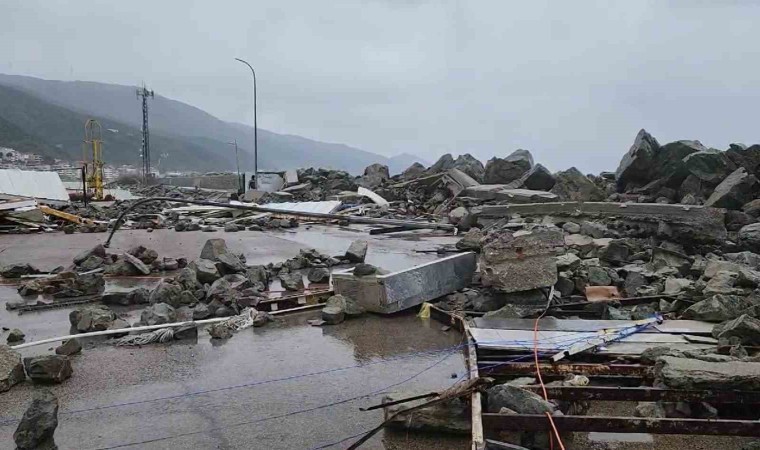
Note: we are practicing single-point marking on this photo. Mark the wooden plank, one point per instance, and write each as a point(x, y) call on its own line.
point(478, 437)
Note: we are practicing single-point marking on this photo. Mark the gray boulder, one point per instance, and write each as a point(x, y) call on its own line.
point(213, 248)
point(98, 251)
point(15, 335)
point(470, 166)
point(69, 347)
point(637, 165)
point(538, 178)
point(319, 275)
point(205, 270)
point(92, 318)
point(158, 314)
point(201, 311)
point(136, 263)
point(710, 166)
point(736, 190)
point(357, 251)
point(509, 169)
point(749, 236)
point(37, 427)
point(230, 263)
point(444, 163)
point(11, 369)
point(572, 185)
point(92, 263)
point(518, 400)
point(16, 270)
point(717, 308)
point(698, 374)
point(452, 416)
point(338, 307)
point(48, 368)
point(291, 281)
point(375, 175)
point(412, 172)
point(168, 293)
point(745, 327)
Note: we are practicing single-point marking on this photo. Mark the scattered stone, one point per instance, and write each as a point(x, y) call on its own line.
point(452, 416)
point(220, 331)
point(652, 410)
point(733, 192)
point(319, 275)
point(11, 368)
point(357, 251)
point(717, 308)
point(201, 311)
point(517, 399)
point(48, 368)
point(749, 236)
point(745, 329)
point(509, 169)
point(571, 227)
point(137, 263)
point(593, 229)
point(205, 270)
point(158, 314)
point(98, 251)
point(213, 248)
point(15, 335)
point(364, 269)
point(231, 227)
point(291, 281)
point(572, 185)
point(17, 270)
point(69, 347)
point(597, 276)
point(37, 427)
point(92, 318)
point(168, 293)
point(230, 263)
point(471, 240)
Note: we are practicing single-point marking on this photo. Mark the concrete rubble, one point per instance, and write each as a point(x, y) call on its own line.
point(672, 234)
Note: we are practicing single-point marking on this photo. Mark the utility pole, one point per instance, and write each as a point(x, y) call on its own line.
point(237, 162)
point(255, 129)
point(145, 93)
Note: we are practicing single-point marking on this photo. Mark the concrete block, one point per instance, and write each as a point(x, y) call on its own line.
point(393, 292)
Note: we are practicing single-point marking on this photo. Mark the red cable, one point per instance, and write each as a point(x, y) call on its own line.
point(543, 387)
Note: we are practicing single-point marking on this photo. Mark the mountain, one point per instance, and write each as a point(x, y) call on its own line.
point(188, 137)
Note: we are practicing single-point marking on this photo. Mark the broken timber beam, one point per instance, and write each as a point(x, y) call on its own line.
point(535, 422)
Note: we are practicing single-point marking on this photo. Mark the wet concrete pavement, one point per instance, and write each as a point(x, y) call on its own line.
point(277, 408)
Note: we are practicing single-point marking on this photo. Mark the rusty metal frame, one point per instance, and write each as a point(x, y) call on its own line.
point(496, 423)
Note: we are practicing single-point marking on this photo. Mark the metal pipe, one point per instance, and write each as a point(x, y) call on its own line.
point(262, 209)
point(237, 162)
point(255, 129)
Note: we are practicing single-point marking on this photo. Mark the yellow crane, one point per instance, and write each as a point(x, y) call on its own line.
point(93, 140)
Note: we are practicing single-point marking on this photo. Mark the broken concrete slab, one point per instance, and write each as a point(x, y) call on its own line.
point(521, 261)
point(689, 373)
point(396, 291)
point(502, 192)
point(688, 223)
point(357, 251)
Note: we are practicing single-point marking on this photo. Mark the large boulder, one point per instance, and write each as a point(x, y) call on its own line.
point(213, 248)
point(452, 416)
point(517, 399)
point(572, 185)
point(98, 251)
point(11, 369)
point(158, 314)
point(636, 167)
point(718, 308)
point(470, 166)
point(538, 178)
point(338, 307)
point(230, 263)
point(737, 189)
point(745, 327)
point(48, 368)
point(443, 164)
point(205, 270)
point(291, 281)
point(509, 169)
point(136, 263)
point(416, 170)
point(92, 318)
point(747, 157)
point(710, 166)
point(16, 270)
point(168, 293)
point(375, 175)
point(749, 236)
point(37, 427)
point(357, 251)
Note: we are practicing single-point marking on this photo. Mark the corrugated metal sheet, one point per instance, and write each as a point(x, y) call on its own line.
point(28, 183)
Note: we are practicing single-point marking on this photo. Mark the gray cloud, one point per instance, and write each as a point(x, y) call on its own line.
point(571, 81)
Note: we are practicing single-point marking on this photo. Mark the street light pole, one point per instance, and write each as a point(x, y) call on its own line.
point(237, 162)
point(255, 130)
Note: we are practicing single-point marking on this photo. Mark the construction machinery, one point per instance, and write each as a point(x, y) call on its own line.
point(93, 168)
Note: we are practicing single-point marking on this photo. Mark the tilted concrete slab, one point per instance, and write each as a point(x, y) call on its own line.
point(688, 223)
point(396, 291)
point(503, 192)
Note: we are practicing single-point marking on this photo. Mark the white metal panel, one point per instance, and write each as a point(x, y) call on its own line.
point(325, 207)
point(29, 183)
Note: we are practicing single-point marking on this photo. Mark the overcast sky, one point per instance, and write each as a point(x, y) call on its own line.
point(572, 81)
